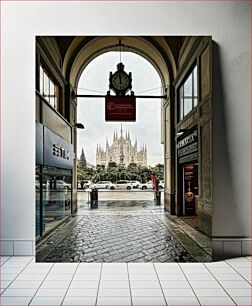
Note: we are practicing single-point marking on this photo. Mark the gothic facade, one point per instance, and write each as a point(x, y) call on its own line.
point(121, 151)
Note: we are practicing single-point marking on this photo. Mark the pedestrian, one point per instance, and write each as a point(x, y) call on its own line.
point(82, 184)
point(155, 182)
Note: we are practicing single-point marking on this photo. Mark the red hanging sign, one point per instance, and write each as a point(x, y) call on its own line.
point(120, 108)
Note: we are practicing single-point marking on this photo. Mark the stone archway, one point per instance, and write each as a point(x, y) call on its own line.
point(156, 50)
point(83, 50)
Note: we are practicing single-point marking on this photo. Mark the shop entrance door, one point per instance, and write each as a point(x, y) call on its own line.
point(190, 189)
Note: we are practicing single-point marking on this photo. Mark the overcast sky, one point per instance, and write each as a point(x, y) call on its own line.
point(91, 111)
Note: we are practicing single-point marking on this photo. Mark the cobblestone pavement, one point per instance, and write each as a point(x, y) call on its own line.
point(119, 239)
point(118, 231)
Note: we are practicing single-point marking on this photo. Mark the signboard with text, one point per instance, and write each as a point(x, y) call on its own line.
point(57, 151)
point(119, 108)
point(187, 148)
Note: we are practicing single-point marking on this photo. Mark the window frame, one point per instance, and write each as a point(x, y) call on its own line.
point(194, 97)
point(53, 99)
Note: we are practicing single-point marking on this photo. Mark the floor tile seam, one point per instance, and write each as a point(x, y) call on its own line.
point(160, 285)
point(98, 288)
point(9, 257)
point(22, 268)
point(221, 285)
point(131, 299)
point(15, 277)
point(236, 259)
point(237, 272)
point(238, 264)
point(1, 265)
point(70, 283)
point(236, 281)
point(41, 284)
point(189, 283)
point(236, 296)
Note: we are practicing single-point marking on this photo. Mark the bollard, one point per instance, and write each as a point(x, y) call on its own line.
point(158, 197)
point(94, 198)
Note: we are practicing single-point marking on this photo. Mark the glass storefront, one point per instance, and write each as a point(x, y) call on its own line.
point(38, 200)
point(187, 156)
point(53, 197)
point(190, 188)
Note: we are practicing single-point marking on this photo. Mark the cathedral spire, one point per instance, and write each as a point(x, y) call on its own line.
point(107, 144)
point(83, 161)
point(136, 143)
point(114, 136)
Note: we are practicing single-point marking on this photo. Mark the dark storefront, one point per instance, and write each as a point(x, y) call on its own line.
point(187, 153)
point(54, 165)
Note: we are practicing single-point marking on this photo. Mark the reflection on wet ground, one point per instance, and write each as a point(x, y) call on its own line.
point(117, 231)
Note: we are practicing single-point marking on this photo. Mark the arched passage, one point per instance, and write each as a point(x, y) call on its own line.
point(84, 49)
point(156, 50)
point(146, 129)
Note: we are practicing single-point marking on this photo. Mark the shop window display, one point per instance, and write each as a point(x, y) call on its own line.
point(56, 201)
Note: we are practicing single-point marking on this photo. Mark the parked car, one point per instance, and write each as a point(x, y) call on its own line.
point(38, 185)
point(147, 185)
point(134, 184)
point(60, 184)
point(86, 184)
point(161, 185)
point(121, 185)
point(102, 185)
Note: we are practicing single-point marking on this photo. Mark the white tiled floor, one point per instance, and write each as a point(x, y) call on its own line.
point(24, 282)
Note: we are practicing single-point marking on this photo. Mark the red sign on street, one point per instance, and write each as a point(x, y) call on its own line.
point(120, 108)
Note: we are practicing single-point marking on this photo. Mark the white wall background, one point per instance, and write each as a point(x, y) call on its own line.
point(229, 25)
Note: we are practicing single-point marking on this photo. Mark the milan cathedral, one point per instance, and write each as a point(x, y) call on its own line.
point(121, 152)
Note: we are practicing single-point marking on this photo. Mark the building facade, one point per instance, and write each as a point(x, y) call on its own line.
point(121, 151)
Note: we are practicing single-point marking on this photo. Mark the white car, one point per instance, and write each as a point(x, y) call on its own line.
point(161, 185)
point(134, 184)
point(121, 185)
point(102, 185)
point(148, 185)
point(86, 184)
point(38, 185)
point(60, 184)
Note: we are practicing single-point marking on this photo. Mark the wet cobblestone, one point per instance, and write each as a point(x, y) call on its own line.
point(119, 238)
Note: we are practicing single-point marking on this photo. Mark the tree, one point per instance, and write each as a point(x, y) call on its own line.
point(159, 171)
point(85, 173)
point(133, 166)
point(112, 165)
point(145, 174)
point(134, 171)
point(112, 172)
point(115, 172)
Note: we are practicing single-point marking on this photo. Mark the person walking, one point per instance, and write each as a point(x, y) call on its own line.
point(155, 182)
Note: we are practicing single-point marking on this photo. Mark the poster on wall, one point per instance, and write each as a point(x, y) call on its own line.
point(190, 188)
